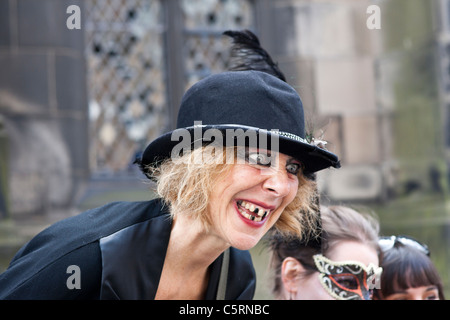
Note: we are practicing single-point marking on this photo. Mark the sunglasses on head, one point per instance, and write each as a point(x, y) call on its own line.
point(387, 243)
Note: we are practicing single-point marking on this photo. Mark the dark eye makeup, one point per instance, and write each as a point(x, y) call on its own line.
point(265, 159)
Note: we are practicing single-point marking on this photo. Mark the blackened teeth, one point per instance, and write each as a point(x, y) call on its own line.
point(253, 208)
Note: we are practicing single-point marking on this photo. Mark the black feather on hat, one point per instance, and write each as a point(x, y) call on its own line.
point(247, 54)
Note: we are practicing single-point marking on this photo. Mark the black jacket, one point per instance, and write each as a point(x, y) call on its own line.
point(119, 249)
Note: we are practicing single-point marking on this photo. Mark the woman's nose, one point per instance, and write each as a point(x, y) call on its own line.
point(277, 182)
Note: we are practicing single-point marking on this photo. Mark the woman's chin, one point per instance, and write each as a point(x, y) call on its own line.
point(245, 242)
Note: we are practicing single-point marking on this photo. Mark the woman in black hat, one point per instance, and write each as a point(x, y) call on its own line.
point(232, 170)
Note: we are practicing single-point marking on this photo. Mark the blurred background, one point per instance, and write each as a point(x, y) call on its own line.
point(77, 105)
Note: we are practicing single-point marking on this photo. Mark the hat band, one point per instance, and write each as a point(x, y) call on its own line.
point(198, 124)
point(292, 136)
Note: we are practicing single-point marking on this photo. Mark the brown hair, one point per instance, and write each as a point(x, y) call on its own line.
point(340, 223)
point(186, 186)
point(406, 267)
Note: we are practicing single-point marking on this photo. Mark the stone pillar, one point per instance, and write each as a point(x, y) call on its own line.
point(328, 54)
point(43, 100)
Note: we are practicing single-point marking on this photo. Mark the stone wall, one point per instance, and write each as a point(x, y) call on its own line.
point(43, 102)
point(330, 56)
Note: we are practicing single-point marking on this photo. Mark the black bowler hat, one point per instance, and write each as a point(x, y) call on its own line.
point(249, 101)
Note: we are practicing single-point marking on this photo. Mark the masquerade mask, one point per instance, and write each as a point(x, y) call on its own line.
point(387, 243)
point(347, 280)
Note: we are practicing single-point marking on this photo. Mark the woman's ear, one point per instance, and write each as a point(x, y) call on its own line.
point(291, 269)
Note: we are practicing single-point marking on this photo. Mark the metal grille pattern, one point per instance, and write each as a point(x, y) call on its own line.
point(206, 50)
point(126, 55)
point(127, 91)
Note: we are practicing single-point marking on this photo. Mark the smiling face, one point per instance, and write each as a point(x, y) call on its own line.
point(249, 199)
